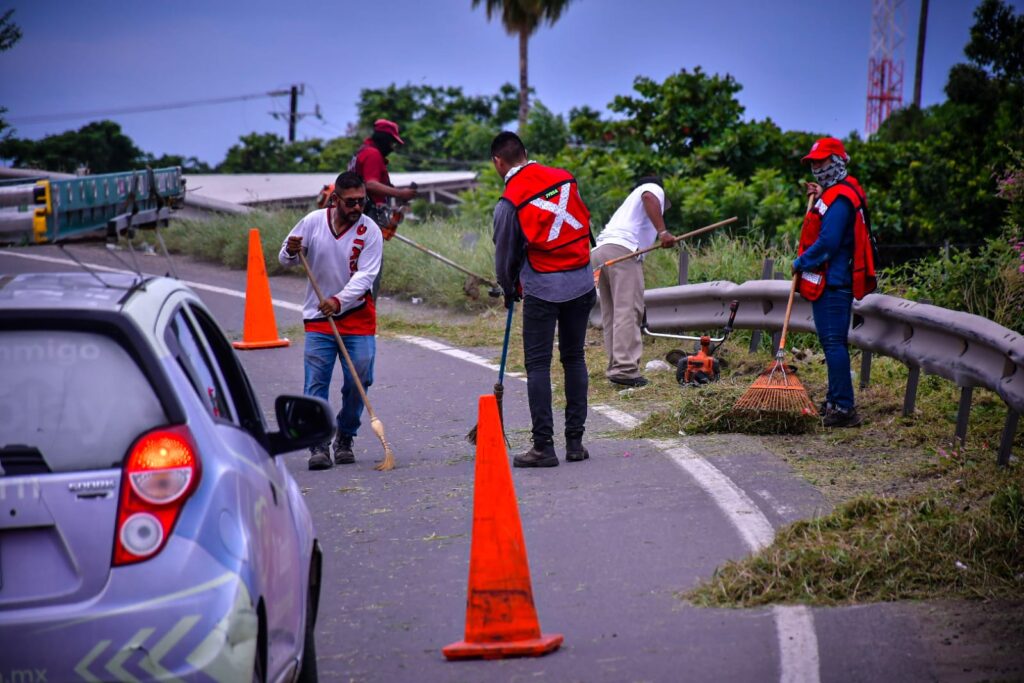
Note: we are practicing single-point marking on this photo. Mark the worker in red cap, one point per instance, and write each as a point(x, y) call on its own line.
point(836, 263)
point(371, 162)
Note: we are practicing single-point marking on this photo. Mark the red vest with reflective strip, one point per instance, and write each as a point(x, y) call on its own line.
point(553, 217)
point(863, 277)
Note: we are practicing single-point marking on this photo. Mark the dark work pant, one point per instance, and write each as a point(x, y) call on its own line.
point(832, 322)
point(539, 319)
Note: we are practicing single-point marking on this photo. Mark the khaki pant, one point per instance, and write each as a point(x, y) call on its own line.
point(621, 290)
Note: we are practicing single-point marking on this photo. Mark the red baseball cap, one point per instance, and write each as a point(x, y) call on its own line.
point(389, 127)
point(826, 147)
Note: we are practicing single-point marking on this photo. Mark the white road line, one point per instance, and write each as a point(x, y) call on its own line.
point(794, 625)
point(432, 345)
point(287, 305)
point(798, 643)
point(780, 508)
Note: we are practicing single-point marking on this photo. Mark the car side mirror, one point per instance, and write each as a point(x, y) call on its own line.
point(303, 421)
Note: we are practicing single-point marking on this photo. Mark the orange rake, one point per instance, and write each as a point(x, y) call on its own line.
point(778, 389)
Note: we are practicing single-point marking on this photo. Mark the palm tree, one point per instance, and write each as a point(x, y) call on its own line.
point(522, 18)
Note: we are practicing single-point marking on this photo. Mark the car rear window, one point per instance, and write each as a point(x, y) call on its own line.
point(78, 397)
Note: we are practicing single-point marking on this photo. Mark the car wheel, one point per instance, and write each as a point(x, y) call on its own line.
point(259, 665)
point(308, 672)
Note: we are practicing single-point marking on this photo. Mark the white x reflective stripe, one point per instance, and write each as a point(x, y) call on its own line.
point(561, 215)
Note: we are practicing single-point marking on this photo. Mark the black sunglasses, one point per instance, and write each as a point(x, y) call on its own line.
point(351, 202)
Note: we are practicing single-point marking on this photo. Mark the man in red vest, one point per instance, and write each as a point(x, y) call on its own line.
point(836, 263)
point(542, 255)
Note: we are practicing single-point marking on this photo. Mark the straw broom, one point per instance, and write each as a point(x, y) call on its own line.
point(778, 389)
point(375, 423)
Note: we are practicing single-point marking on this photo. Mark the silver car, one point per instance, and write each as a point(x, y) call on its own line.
point(146, 529)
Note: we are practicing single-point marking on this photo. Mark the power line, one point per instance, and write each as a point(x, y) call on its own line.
point(142, 109)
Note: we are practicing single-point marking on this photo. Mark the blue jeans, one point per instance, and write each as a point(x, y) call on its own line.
point(320, 356)
point(832, 321)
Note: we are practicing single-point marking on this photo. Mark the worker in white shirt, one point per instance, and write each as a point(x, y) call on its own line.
point(639, 222)
point(343, 248)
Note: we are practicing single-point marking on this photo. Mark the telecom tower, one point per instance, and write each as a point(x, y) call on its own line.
point(885, 62)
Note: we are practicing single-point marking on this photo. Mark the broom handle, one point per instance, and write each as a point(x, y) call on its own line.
point(694, 233)
point(442, 259)
point(504, 346)
point(792, 295)
point(337, 337)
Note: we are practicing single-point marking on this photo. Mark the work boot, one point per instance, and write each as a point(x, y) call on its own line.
point(343, 454)
point(319, 457)
point(574, 450)
point(837, 417)
point(541, 455)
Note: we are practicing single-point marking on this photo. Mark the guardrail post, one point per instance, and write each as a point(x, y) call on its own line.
point(1006, 443)
point(962, 414)
point(910, 397)
point(913, 376)
point(865, 369)
point(766, 274)
point(684, 266)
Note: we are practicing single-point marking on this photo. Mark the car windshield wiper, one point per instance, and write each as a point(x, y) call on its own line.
point(18, 459)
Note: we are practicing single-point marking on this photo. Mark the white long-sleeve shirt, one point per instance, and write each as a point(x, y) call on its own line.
point(344, 265)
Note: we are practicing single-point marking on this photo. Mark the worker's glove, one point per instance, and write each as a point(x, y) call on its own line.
point(796, 269)
point(294, 245)
point(512, 298)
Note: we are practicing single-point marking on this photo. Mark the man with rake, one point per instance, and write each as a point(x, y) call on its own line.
point(836, 263)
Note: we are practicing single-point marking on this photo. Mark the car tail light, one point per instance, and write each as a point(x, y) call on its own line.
point(161, 472)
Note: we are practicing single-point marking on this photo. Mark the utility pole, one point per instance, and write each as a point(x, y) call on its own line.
point(293, 115)
point(922, 28)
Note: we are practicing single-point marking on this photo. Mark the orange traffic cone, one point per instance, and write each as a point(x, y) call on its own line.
point(501, 620)
point(260, 331)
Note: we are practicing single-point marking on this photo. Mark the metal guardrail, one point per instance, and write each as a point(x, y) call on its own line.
point(966, 349)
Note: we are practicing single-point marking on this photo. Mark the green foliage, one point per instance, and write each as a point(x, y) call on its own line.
point(440, 126)
point(10, 33)
point(99, 146)
point(676, 116)
point(546, 133)
point(269, 153)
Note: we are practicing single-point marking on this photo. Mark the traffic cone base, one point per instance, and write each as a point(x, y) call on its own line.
point(260, 328)
point(273, 344)
point(534, 647)
point(501, 620)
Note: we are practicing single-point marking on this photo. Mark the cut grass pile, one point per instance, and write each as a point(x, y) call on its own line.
point(964, 538)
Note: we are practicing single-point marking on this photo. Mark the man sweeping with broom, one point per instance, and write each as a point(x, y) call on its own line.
point(836, 263)
point(343, 249)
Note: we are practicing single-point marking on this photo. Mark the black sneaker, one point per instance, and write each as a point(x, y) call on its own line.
point(635, 382)
point(574, 450)
point(842, 418)
point(319, 457)
point(343, 454)
point(538, 456)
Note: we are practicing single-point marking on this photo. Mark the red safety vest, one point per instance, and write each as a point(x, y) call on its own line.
point(864, 278)
point(553, 217)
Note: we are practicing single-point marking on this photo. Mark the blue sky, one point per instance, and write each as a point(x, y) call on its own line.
point(802, 64)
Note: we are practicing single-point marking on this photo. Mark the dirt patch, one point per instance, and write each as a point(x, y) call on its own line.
point(973, 641)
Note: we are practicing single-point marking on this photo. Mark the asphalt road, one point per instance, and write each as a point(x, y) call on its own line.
point(612, 541)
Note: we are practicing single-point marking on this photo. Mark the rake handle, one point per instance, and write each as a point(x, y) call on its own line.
point(337, 337)
point(504, 346)
point(792, 295)
point(680, 238)
point(443, 259)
